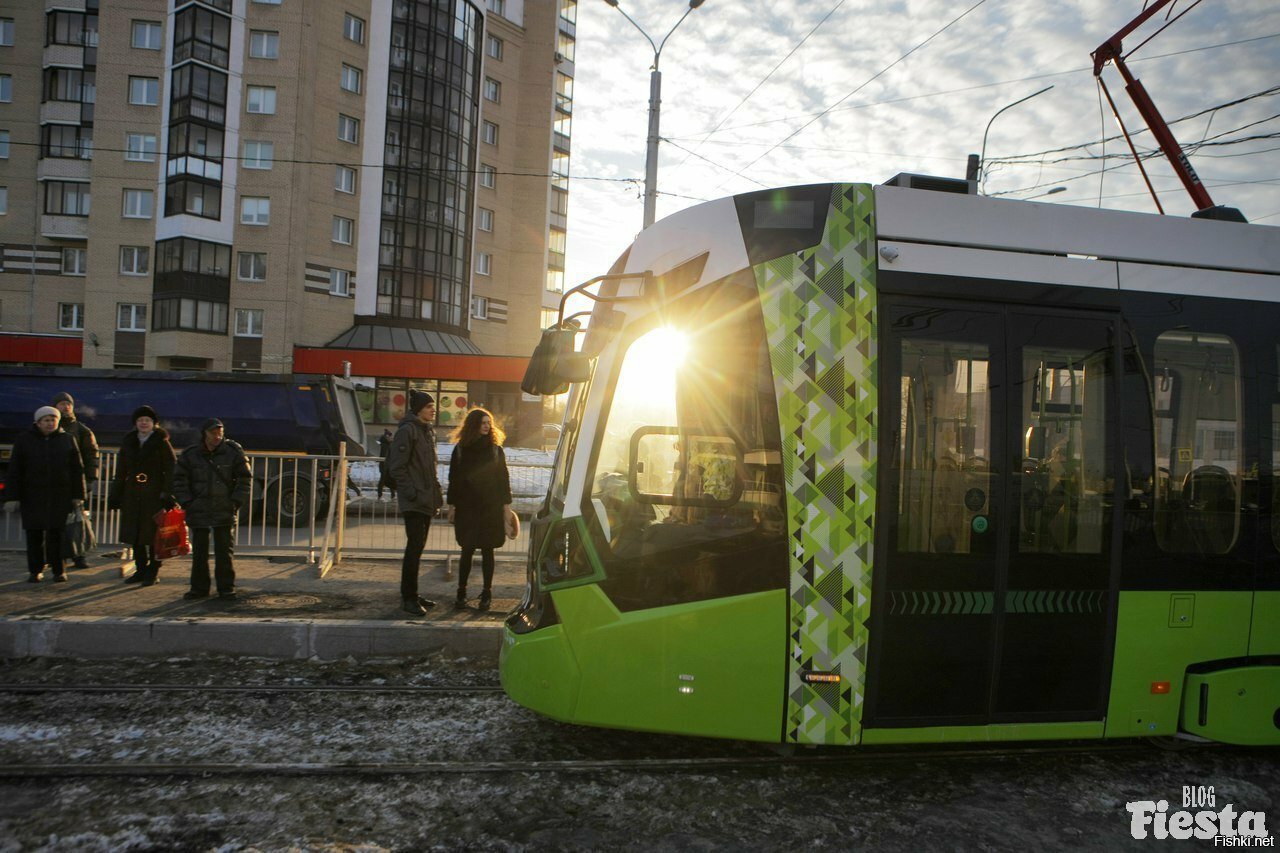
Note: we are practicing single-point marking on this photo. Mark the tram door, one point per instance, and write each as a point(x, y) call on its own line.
point(991, 597)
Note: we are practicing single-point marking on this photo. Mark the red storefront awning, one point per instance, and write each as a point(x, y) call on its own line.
point(42, 349)
point(478, 368)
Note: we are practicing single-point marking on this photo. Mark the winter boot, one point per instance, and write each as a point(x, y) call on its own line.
point(485, 598)
point(460, 603)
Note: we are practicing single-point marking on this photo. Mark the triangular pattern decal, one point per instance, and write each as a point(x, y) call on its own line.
point(820, 315)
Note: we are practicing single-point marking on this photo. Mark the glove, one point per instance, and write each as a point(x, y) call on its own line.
point(77, 503)
point(168, 502)
point(10, 506)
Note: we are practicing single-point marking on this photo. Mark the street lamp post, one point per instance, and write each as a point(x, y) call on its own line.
point(655, 107)
point(982, 159)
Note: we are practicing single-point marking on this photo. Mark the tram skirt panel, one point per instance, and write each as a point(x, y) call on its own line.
point(820, 316)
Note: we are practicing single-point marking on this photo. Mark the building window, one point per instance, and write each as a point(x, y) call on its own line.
point(138, 204)
point(6, 32)
point(252, 266)
point(249, 322)
point(147, 35)
point(198, 92)
point(135, 260)
point(73, 85)
point(484, 219)
point(348, 128)
point(350, 80)
point(258, 155)
point(66, 140)
point(255, 210)
point(261, 99)
point(203, 34)
point(484, 263)
point(488, 176)
point(194, 197)
point(498, 7)
point(6, 88)
point(555, 281)
point(66, 198)
point(197, 315)
point(4, 145)
point(264, 44)
point(140, 147)
point(4, 204)
point(353, 29)
point(71, 316)
point(344, 179)
point(493, 47)
point(267, 2)
point(144, 91)
point(340, 282)
point(569, 10)
point(131, 317)
point(492, 90)
point(490, 133)
point(73, 262)
point(343, 229)
point(480, 307)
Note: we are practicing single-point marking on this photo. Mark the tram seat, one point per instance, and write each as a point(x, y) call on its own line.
point(1209, 508)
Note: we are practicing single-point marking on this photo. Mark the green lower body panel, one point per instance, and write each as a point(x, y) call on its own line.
point(1264, 635)
point(984, 734)
point(714, 668)
point(1158, 636)
point(1238, 706)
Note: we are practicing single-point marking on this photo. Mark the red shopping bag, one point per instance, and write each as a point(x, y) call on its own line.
point(171, 534)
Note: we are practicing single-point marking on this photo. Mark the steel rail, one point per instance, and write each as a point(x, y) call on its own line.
point(31, 689)
point(855, 759)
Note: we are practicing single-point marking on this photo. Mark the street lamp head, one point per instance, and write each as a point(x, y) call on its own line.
point(693, 4)
point(613, 3)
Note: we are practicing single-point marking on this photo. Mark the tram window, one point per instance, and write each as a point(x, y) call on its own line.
point(1275, 459)
point(1196, 401)
point(690, 452)
point(1064, 470)
point(945, 445)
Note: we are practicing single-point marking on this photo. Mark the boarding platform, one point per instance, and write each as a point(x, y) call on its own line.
point(283, 609)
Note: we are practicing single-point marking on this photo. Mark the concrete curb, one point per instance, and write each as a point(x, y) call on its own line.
point(323, 639)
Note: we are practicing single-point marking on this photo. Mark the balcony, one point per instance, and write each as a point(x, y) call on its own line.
point(57, 168)
point(59, 227)
point(65, 5)
point(67, 55)
point(60, 112)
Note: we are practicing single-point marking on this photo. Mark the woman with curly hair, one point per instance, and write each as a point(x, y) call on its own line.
point(479, 497)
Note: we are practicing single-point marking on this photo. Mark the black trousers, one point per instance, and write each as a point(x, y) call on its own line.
point(44, 547)
point(416, 525)
point(224, 552)
point(144, 559)
point(486, 567)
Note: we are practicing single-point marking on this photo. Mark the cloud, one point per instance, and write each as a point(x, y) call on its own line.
point(925, 114)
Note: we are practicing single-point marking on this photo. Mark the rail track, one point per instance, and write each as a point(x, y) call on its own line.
point(37, 689)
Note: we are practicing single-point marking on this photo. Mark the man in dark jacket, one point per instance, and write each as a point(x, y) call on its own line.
point(46, 477)
point(412, 463)
point(88, 445)
point(211, 482)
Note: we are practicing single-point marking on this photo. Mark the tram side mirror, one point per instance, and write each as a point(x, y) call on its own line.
point(555, 364)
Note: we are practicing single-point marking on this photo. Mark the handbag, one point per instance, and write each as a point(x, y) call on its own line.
point(78, 536)
point(512, 525)
point(171, 534)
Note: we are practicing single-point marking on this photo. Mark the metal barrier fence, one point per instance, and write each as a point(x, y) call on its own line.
point(291, 508)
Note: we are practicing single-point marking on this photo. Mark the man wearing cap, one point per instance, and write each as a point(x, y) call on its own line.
point(412, 463)
point(211, 482)
point(46, 478)
point(88, 445)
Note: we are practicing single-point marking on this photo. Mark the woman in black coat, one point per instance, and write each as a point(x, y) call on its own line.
point(479, 498)
point(141, 488)
point(46, 476)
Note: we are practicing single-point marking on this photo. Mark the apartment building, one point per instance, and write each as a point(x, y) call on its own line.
point(376, 187)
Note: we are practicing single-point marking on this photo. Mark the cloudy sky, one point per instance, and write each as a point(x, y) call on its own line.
point(746, 105)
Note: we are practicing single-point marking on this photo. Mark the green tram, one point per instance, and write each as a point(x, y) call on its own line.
point(852, 464)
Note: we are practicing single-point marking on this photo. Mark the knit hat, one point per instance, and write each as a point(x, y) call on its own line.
point(47, 410)
point(210, 423)
point(145, 412)
point(61, 397)
point(418, 400)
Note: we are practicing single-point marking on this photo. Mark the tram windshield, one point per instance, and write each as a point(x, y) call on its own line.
point(689, 452)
